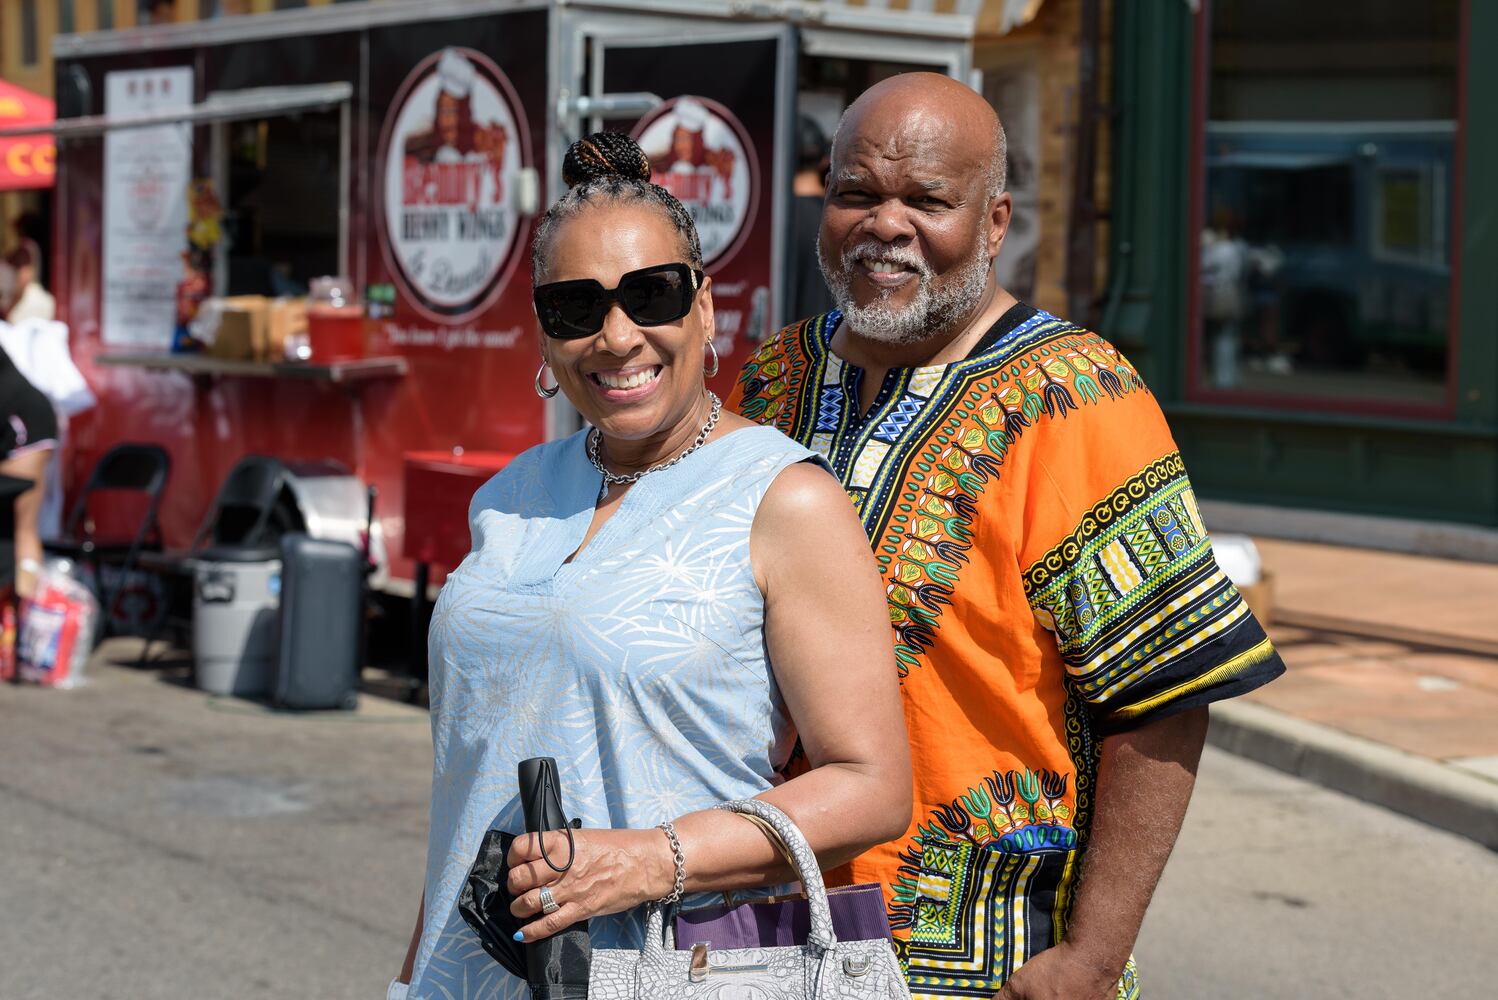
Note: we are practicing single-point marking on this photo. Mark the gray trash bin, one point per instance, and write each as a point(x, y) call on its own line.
point(236, 593)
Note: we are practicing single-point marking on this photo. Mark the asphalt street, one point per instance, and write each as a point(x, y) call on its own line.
point(156, 844)
point(1279, 888)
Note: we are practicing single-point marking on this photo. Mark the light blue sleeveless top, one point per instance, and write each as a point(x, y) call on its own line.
point(640, 666)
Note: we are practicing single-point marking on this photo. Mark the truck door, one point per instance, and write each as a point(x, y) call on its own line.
point(717, 139)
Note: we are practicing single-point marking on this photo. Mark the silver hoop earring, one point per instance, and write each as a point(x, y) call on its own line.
point(541, 390)
point(710, 372)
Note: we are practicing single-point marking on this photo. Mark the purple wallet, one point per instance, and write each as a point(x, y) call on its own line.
point(858, 914)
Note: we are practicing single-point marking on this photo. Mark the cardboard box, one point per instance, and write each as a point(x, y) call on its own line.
point(1260, 598)
point(288, 317)
point(244, 329)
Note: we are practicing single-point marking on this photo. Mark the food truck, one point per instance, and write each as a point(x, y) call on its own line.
point(409, 149)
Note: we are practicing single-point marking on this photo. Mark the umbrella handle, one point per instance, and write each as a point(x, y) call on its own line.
point(541, 800)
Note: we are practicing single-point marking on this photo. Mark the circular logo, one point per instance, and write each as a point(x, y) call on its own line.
point(700, 153)
point(452, 146)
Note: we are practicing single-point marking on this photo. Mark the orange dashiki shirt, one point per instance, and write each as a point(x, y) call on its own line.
point(1050, 582)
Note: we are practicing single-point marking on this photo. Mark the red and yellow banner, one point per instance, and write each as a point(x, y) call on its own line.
point(28, 161)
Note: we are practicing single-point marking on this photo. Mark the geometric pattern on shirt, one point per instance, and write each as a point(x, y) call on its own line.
point(1008, 812)
point(981, 887)
point(830, 408)
point(1134, 588)
point(928, 516)
point(971, 921)
point(917, 467)
point(971, 917)
point(893, 425)
point(766, 379)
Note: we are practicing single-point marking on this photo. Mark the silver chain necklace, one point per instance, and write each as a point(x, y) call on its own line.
point(595, 451)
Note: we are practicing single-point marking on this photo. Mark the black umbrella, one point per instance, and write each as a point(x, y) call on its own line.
point(485, 903)
point(556, 967)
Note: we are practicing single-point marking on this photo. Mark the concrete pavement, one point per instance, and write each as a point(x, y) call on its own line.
point(1282, 890)
point(159, 844)
point(1391, 692)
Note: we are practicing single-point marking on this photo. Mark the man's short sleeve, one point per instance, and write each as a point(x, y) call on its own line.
point(1117, 565)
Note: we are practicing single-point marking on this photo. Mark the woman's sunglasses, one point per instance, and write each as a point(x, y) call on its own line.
point(651, 296)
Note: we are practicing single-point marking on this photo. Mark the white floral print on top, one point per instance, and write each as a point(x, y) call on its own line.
point(640, 666)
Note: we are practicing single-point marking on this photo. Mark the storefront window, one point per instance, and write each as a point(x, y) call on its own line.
point(1324, 269)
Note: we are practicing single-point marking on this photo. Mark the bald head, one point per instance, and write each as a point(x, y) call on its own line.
point(927, 108)
point(915, 211)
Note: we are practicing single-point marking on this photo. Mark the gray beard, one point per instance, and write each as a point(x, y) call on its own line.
point(929, 313)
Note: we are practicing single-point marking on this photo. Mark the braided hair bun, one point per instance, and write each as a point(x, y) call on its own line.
point(609, 167)
point(605, 154)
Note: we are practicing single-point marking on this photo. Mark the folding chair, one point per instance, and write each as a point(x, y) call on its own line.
point(244, 513)
point(138, 468)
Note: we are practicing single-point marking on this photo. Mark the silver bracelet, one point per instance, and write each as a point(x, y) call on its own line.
point(681, 866)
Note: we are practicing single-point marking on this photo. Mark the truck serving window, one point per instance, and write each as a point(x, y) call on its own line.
point(281, 203)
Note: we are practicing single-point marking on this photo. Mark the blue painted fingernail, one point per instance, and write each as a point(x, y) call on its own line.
point(519, 936)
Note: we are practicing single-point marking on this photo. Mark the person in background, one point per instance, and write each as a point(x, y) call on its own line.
point(157, 11)
point(32, 301)
point(28, 437)
point(805, 292)
point(25, 301)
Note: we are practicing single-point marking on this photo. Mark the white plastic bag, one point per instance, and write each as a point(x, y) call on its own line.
point(40, 351)
point(57, 627)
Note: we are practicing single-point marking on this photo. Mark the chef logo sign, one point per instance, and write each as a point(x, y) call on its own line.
point(451, 147)
point(700, 153)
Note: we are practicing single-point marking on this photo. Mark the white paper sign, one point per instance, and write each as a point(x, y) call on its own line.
point(146, 173)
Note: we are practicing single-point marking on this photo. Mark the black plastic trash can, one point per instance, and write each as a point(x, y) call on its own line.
point(321, 624)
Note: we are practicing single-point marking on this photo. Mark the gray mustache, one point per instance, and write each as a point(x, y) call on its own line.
point(887, 254)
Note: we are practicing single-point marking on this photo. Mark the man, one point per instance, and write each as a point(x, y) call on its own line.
point(1059, 619)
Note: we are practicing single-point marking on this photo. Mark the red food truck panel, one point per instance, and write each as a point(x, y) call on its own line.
point(463, 118)
point(438, 149)
point(437, 155)
point(714, 144)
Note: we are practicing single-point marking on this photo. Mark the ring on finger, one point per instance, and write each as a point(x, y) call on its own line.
point(549, 904)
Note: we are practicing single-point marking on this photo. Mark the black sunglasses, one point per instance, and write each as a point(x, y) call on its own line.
point(651, 296)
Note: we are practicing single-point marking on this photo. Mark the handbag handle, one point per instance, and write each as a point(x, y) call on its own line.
point(792, 844)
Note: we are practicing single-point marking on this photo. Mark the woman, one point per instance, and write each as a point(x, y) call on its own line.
point(652, 604)
point(28, 437)
point(32, 301)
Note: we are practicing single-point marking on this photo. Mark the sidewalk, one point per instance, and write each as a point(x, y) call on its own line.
point(1391, 691)
point(160, 843)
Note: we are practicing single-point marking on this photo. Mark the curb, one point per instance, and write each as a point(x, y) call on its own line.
point(1423, 789)
point(1466, 645)
point(1439, 539)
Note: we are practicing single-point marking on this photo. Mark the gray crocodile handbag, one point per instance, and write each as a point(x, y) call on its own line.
point(821, 969)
